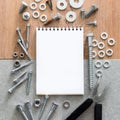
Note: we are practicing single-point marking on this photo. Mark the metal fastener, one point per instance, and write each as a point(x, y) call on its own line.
point(17, 63)
point(26, 16)
point(44, 105)
point(23, 7)
point(15, 54)
point(22, 66)
point(28, 35)
point(93, 23)
point(18, 30)
point(22, 55)
point(23, 48)
point(37, 103)
point(83, 13)
point(29, 109)
point(55, 18)
point(66, 104)
point(16, 85)
point(20, 109)
point(52, 110)
point(91, 11)
point(16, 80)
point(28, 83)
point(90, 59)
point(49, 3)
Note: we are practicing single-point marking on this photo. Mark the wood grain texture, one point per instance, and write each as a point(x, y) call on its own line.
point(108, 18)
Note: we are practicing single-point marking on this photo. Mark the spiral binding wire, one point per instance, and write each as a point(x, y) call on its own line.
point(59, 28)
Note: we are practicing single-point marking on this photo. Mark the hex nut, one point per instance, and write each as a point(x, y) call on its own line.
point(22, 55)
point(101, 45)
point(101, 54)
point(17, 63)
point(94, 43)
point(37, 103)
point(111, 42)
point(33, 6)
point(42, 6)
point(98, 64)
point(109, 52)
point(15, 54)
point(106, 64)
point(66, 104)
point(35, 14)
point(43, 18)
point(104, 35)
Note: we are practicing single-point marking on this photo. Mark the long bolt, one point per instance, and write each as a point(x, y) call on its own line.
point(90, 60)
point(22, 66)
point(23, 7)
point(23, 48)
point(20, 109)
point(56, 17)
point(16, 85)
point(28, 35)
point(94, 23)
point(20, 36)
point(16, 80)
point(91, 11)
point(29, 109)
point(28, 83)
point(52, 110)
point(44, 105)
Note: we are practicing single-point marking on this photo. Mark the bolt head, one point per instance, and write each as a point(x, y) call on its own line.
point(18, 29)
point(24, 4)
point(90, 35)
point(94, 7)
point(19, 108)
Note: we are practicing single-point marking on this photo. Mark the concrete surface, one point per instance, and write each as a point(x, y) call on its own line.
point(111, 103)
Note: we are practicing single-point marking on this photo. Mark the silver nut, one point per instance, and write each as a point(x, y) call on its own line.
point(106, 64)
point(101, 54)
point(101, 45)
point(35, 14)
point(98, 64)
point(22, 55)
point(94, 43)
point(33, 6)
point(15, 54)
point(109, 52)
point(66, 104)
point(17, 63)
point(111, 42)
point(104, 35)
point(43, 18)
point(37, 103)
point(42, 6)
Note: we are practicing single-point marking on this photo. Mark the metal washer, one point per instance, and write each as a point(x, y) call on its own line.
point(33, 6)
point(70, 16)
point(66, 104)
point(61, 4)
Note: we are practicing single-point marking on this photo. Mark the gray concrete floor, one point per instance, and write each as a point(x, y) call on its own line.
point(111, 103)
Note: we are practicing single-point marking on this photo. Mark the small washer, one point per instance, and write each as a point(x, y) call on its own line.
point(98, 64)
point(106, 64)
point(104, 35)
point(43, 18)
point(99, 73)
point(66, 104)
point(35, 14)
point(109, 52)
point(94, 54)
point(61, 4)
point(94, 43)
point(111, 42)
point(26, 16)
point(70, 16)
point(33, 6)
point(101, 45)
point(42, 6)
point(37, 1)
point(101, 54)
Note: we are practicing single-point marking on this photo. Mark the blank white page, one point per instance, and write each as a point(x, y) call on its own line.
point(59, 55)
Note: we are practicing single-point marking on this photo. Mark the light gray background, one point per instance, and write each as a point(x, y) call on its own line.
point(111, 103)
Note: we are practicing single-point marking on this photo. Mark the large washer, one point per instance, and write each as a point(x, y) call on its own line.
point(70, 16)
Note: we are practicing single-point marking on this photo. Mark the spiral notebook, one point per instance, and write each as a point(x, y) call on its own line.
point(59, 65)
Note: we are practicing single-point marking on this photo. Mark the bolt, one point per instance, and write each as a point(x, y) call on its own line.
point(19, 77)
point(83, 13)
point(26, 16)
point(52, 110)
point(90, 60)
point(28, 83)
point(28, 35)
point(55, 18)
point(20, 109)
point(44, 105)
point(23, 48)
point(18, 30)
point(94, 23)
point(16, 85)
point(23, 7)
point(91, 11)
point(29, 109)
point(22, 66)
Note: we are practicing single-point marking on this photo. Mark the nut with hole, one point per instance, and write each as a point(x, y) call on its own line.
point(101, 54)
point(22, 55)
point(15, 54)
point(104, 35)
point(109, 52)
point(17, 63)
point(101, 45)
point(37, 103)
point(111, 42)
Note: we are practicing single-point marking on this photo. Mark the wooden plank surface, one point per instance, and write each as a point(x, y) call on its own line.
point(108, 18)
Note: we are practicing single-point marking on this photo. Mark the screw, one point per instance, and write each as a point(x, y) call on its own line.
point(44, 105)
point(91, 11)
point(83, 13)
point(55, 18)
point(20, 36)
point(22, 66)
point(23, 7)
point(28, 83)
point(28, 35)
point(52, 110)
point(19, 77)
point(20, 109)
point(16, 85)
point(29, 109)
point(26, 16)
point(94, 23)
point(23, 48)
point(90, 60)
